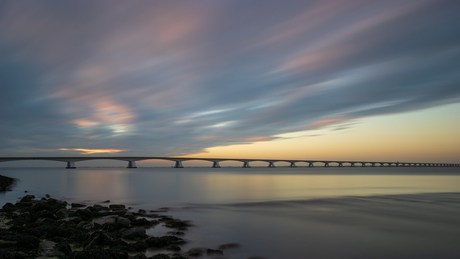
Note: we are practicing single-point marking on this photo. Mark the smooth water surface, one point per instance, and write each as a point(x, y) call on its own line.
point(279, 212)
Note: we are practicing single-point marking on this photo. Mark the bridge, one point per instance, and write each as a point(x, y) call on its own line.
point(71, 161)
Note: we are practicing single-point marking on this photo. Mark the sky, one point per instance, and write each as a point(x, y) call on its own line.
point(330, 79)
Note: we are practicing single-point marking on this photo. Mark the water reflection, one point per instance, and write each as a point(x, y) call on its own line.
point(171, 187)
point(282, 212)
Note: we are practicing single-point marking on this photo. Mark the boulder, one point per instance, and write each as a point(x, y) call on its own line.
point(117, 206)
point(48, 249)
point(229, 246)
point(27, 198)
point(135, 233)
point(77, 205)
point(160, 256)
point(100, 239)
point(62, 213)
point(123, 221)
point(85, 225)
point(195, 252)
point(105, 219)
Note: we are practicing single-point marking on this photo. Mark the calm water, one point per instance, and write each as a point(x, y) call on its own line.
point(279, 212)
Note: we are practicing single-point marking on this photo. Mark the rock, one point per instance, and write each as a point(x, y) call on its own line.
point(129, 216)
point(141, 211)
point(77, 205)
point(173, 248)
point(85, 225)
point(160, 256)
point(85, 214)
point(62, 213)
point(196, 252)
point(176, 233)
point(175, 223)
point(117, 206)
point(63, 247)
point(40, 220)
point(8, 206)
point(47, 196)
point(30, 242)
point(46, 228)
point(138, 256)
point(6, 243)
point(107, 201)
point(144, 222)
point(99, 253)
point(139, 245)
point(103, 220)
point(214, 252)
point(48, 249)
point(27, 198)
point(228, 246)
point(100, 239)
point(123, 221)
point(100, 208)
point(135, 233)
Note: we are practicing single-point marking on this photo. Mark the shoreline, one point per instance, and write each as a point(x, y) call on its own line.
point(6, 183)
point(50, 228)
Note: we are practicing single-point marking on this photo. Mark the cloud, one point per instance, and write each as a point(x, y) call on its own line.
point(85, 151)
point(171, 78)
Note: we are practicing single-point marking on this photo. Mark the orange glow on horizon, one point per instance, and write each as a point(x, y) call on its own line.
point(86, 151)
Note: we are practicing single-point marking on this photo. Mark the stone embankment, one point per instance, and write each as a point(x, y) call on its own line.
point(50, 228)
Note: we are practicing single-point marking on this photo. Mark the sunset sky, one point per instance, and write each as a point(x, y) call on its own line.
point(330, 79)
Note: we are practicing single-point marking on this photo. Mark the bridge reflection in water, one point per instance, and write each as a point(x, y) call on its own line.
point(215, 161)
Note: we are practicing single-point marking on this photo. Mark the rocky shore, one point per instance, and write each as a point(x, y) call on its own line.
point(49, 228)
point(6, 182)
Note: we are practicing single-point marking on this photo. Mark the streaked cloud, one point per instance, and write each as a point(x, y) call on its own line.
point(177, 77)
point(85, 151)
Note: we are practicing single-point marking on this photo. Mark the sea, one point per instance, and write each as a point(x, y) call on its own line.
point(302, 212)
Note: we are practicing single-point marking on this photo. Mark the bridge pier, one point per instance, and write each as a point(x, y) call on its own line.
point(363, 164)
point(326, 164)
point(271, 164)
point(178, 164)
point(373, 164)
point(132, 164)
point(310, 164)
point(246, 164)
point(382, 164)
point(71, 165)
point(340, 164)
point(215, 164)
point(352, 165)
point(292, 164)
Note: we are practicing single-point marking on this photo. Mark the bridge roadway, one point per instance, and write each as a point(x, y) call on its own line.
point(215, 161)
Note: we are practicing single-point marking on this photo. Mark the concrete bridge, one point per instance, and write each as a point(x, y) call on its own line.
point(215, 161)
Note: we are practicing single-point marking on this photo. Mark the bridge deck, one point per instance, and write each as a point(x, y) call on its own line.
point(271, 162)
